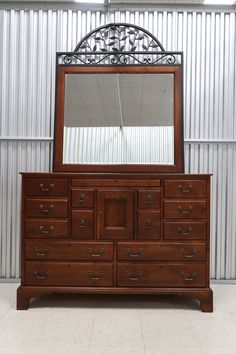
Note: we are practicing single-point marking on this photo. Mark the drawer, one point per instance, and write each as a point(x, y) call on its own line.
point(68, 274)
point(149, 199)
point(49, 228)
point(119, 182)
point(55, 187)
point(180, 209)
point(46, 208)
point(166, 275)
point(80, 251)
point(82, 198)
point(161, 252)
point(185, 188)
point(185, 230)
point(149, 225)
point(82, 224)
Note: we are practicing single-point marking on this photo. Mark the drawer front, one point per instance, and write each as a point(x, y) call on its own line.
point(68, 274)
point(134, 251)
point(49, 228)
point(58, 250)
point(82, 224)
point(46, 208)
point(185, 188)
point(149, 225)
point(185, 209)
point(82, 198)
point(149, 199)
point(185, 230)
point(55, 187)
point(108, 182)
point(166, 275)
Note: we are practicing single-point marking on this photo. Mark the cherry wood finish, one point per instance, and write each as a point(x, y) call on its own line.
point(81, 251)
point(176, 70)
point(46, 229)
point(114, 251)
point(161, 252)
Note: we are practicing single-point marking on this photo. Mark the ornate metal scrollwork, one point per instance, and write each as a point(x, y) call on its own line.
point(119, 44)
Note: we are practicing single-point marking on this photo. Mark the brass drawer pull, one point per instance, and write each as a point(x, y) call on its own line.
point(95, 277)
point(184, 189)
point(99, 254)
point(148, 199)
point(193, 276)
point(148, 224)
point(134, 252)
point(186, 232)
point(82, 223)
point(46, 189)
point(38, 252)
point(45, 209)
point(194, 252)
point(46, 230)
point(185, 211)
point(134, 277)
point(41, 274)
point(82, 198)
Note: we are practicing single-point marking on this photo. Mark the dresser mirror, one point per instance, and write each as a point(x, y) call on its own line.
point(119, 104)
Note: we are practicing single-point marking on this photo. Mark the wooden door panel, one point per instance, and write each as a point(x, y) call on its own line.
point(116, 214)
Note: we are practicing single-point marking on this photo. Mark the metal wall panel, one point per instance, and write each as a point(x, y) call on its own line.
point(28, 42)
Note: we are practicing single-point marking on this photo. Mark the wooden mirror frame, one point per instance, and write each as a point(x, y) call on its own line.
point(157, 61)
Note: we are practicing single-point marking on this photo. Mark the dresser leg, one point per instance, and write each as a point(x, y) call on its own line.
point(23, 299)
point(207, 304)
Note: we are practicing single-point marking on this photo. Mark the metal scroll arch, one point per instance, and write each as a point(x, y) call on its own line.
point(119, 44)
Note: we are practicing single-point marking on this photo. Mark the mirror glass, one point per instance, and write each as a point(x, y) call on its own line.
point(119, 118)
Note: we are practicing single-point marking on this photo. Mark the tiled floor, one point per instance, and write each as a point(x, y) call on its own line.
point(71, 324)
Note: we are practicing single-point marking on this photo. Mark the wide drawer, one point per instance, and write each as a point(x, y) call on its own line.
point(161, 252)
point(180, 209)
point(110, 182)
point(46, 208)
point(149, 225)
point(149, 199)
point(185, 230)
point(80, 251)
point(82, 224)
point(68, 274)
point(161, 275)
point(82, 198)
point(55, 187)
point(49, 228)
point(185, 188)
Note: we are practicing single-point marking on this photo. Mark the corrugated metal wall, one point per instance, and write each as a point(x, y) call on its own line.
point(28, 42)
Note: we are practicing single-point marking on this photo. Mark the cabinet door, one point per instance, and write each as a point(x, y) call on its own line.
point(116, 214)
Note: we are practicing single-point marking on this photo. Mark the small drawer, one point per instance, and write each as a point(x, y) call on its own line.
point(50, 228)
point(185, 188)
point(185, 209)
point(185, 230)
point(68, 274)
point(82, 225)
point(60, 250)
point(148, 199)
point(161, 275)
point(55, 187)
point(134, 251)
point(46, 208)
point(149, 225)
point(82, 198)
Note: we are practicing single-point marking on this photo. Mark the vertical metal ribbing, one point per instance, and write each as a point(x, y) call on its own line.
point(28, 42)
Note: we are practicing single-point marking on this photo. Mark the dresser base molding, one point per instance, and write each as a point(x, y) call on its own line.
point(25, 293)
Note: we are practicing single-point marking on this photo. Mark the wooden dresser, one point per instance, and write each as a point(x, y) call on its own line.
point(115, 233)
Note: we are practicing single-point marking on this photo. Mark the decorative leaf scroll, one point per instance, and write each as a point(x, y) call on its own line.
point(119, 44)
point(120, 35)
